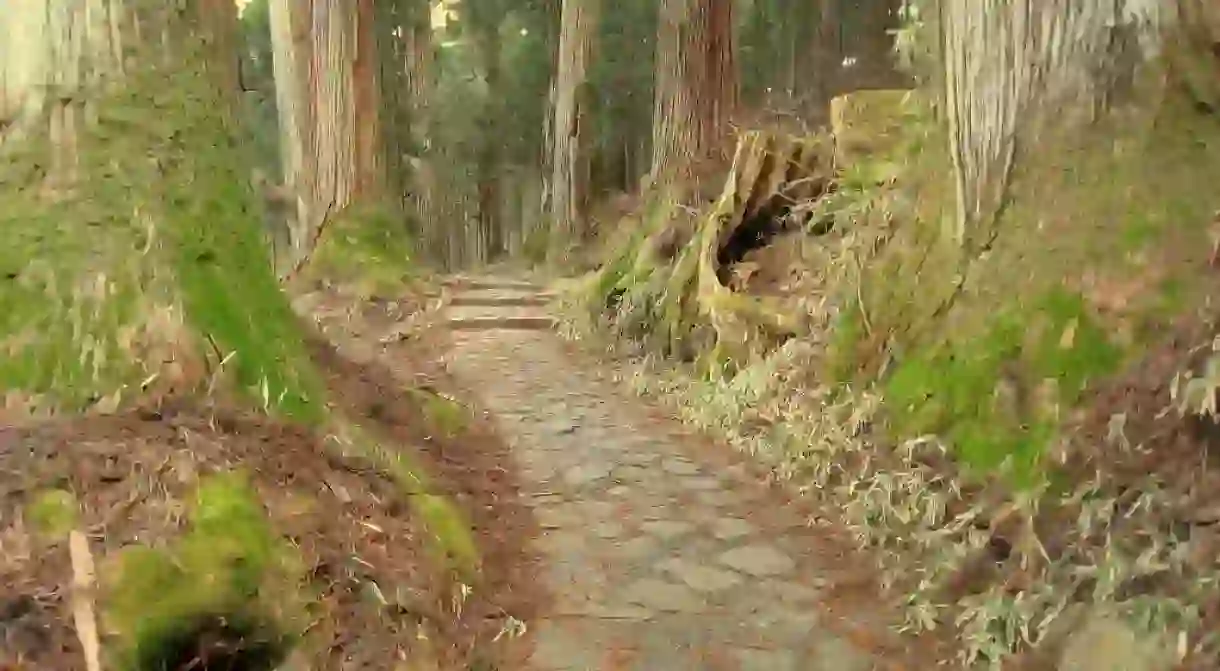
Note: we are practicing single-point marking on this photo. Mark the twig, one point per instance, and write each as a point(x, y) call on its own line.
point(82, 599)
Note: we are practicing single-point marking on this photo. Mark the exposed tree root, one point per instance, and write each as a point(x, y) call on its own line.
point(667, 285)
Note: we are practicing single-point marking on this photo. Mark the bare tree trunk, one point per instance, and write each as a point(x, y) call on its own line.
point(370, 170)
point(491, 228)
point(322, 93)
point(570, 137)
point(1010, 64)
point(696, 87)
point(419, 50)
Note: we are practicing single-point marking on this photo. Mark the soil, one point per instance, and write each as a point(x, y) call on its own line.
point(131, 472)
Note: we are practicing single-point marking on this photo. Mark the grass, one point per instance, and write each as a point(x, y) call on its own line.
point(450, 539)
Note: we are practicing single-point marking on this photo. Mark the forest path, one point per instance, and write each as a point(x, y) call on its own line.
point(656, 558)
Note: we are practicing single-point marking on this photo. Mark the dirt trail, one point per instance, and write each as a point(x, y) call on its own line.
point(660, 552)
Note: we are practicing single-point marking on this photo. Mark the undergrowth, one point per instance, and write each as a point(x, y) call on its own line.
point(924, 378)
point(367, 244)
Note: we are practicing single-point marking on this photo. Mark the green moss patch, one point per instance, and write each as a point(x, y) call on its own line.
point(997, 396)
point(227, 591)
point(367, 244)
point(54, 513)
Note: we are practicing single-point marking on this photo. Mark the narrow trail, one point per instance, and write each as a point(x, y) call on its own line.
point(656, 558)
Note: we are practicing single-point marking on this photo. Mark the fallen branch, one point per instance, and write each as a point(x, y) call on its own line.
point(83, 613)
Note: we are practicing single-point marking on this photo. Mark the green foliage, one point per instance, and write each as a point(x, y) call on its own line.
point(980, 393)
point(54, 513)
point(229, 566)
point(620, 90)
point(366, 243)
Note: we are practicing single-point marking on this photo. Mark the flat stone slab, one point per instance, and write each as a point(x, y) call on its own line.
point(500, 298)
point(758, 560)
point(480, 317)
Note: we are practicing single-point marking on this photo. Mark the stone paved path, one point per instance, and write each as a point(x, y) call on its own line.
point(657, 562)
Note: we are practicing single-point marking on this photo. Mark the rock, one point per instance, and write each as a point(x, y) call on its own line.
point(586, 473)
point(753, 659)
point(731, 528)
point(666, 529)
point(700, 578)
point(758, 560)
point(676, 466)
point(700, 484)
point(662, 596)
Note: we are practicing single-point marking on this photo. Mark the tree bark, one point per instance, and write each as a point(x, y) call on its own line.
point(1009, 65)
point(419, 55)
point(491, 233)
point(696, 86)
point(370, 171)
point(569, 137)
point(325, 86)
point(56, 57)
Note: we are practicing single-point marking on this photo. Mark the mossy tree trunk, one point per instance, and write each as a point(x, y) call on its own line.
point(141, 269)
point(572, 126)
point(1009, 65)
point(696, 85)
point(55, 59)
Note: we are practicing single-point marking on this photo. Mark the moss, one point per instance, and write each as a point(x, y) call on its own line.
point(54, 513)
point(368, 244)
point(229, 568)
point(981, 392)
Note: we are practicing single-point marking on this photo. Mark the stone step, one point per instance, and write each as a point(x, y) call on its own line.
point(491, 283)
point(483, 317)
point(528, 300)
point(495, 297)
point(510, 323)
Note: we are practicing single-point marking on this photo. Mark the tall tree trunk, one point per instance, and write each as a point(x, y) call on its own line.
point(370, 158)
point(569, 136)
point(1011, 64)
point(696, 89)
point(322, 93)
point(55, 59)
point(491, 233)
point(419, 54)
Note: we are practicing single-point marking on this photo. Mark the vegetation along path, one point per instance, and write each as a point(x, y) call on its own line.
point(655, 559)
